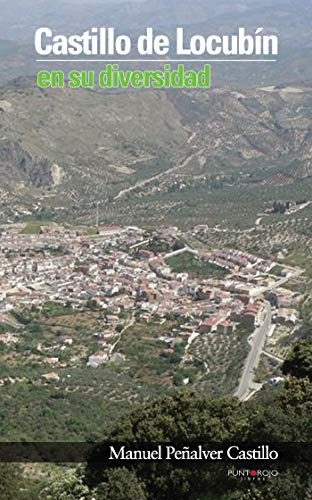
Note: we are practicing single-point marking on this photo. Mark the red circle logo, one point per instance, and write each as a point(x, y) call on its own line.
point(253, 473)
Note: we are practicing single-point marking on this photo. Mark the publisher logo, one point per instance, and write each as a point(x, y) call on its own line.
point(252, 474)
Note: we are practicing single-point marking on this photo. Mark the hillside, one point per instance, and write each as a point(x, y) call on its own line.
point(139, 153)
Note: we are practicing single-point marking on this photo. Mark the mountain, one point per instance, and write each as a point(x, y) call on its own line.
point(138, 152)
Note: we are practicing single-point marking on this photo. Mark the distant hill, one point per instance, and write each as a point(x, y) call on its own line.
point(291, 21)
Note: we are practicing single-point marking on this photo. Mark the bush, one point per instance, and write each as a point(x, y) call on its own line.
point(120, 484)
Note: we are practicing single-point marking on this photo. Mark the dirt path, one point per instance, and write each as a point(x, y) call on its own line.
point(158, 176)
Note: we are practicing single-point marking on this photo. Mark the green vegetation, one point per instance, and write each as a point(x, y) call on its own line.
point(121, 484)
point(157, 245)
point(282, 416)
point(11, 481)
point(299, 362)
point(148, 358)
point(276, 270)
point(84, 400)
point(268, 367)
point(222, 356)
point(32, 229)
point(274, 416)
point(231, 185)
point(195, 267)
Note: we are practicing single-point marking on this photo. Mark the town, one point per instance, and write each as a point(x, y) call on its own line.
point(130, 276)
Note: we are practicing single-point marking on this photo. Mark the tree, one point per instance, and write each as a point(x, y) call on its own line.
point(66, 485)
point(11, 480)
point(286, 486)
point(282, 415)
point(92, 304)
point(178, 379)
point(297, 395)
point(299, 362)
point(285, 417)
point(178, 245)
point(120, 484)
point(185, 418)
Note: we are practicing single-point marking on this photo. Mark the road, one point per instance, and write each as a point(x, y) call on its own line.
point(257, 344)
point(128, 325)
point(180, 251)
point(295, 274)
point(159, 176)
point(277, 358)
point(247, 386)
